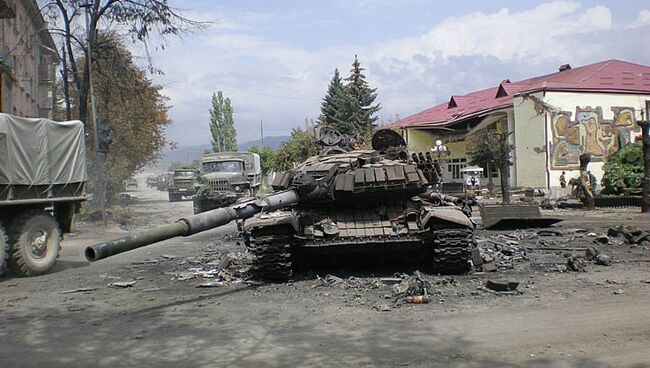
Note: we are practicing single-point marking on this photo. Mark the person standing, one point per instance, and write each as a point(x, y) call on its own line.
point(563, 180)
point(593, 181)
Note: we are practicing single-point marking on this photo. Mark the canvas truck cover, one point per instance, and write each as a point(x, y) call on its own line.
point(41, 151)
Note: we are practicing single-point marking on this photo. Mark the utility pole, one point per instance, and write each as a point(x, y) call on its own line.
point(645, 136)
point(261, 134)
point(93, 105)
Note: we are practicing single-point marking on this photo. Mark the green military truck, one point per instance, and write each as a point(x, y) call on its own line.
point(183, 183)
point(226, 177)
point(42, 185)
point(162, 183)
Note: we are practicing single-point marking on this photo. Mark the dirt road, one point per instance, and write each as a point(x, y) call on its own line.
point(77, 316)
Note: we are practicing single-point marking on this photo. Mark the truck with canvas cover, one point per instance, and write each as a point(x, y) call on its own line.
point(42, 184)
point(226, 177)
point(183, 183)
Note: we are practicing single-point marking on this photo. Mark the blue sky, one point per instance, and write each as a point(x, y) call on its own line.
point(274, 59)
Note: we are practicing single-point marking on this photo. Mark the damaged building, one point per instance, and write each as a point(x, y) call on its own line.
point(28, 58)
point(554, 118)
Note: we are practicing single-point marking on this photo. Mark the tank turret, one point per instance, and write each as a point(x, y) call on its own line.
point(342, 200)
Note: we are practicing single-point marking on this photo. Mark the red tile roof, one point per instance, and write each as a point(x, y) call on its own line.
point(607, 76)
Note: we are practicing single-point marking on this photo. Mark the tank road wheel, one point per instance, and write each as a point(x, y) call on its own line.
point(451, 250)
point(271, 250)
point(35, 238)
point(4, 250)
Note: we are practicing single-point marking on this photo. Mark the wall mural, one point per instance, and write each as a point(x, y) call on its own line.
point(589, 133)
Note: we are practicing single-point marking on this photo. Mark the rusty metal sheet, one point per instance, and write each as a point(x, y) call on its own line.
point(514, 217)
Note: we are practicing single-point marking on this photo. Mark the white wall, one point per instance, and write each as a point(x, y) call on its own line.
point(530, 152)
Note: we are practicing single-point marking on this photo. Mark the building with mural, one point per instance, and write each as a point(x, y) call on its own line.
point(553, 119)
point(28, 58)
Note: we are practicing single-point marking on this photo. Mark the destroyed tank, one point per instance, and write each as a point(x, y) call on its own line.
point(341, 201)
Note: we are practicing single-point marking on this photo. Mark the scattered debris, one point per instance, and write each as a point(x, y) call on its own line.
point(391, 280)
point(122, 284)
point(211, 284)
point(413, 285)
point(383, 307)
point(576, 264)
point(591, 253)
point(631, 234)
point(549, 232)
point(603, 260)
point(489, 267)
point(502, 285)
point(603, 239)
point(418, 299)
point(79, 290)
point(618, 292)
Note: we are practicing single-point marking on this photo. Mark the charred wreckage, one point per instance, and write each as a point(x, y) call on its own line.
point(339, 202)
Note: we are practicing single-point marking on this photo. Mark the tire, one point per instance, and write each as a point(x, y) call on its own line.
point(4, 250)
point(31, 254)
point(271, 250)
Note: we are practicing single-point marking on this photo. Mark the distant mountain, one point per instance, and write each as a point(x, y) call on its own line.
point(187, 154)
point(272, 142)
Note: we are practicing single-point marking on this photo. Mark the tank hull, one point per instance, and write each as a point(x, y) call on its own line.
point(438, 238)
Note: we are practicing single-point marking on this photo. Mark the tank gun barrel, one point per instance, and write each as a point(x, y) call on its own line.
point(187, 226)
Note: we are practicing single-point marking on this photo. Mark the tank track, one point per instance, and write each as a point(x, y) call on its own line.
point(452, 250)
point(271, 256)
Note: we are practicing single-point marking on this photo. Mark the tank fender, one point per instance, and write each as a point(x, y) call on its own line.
point(446, 214)
point(272, 219)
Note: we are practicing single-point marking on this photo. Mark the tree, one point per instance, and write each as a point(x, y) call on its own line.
point(489, 146)
point(222, 126)
point(296, 149)
point(135, 109)
point(349, 107)
point(360, 99)
point(134, 18)
point(333, 106)
point(267, 158)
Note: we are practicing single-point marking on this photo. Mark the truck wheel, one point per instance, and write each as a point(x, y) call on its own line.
point(35, 241)
point(4, 250)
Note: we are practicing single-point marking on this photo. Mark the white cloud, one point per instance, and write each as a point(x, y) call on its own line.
point(503, 34)
point(642, 20)
point(283, 83)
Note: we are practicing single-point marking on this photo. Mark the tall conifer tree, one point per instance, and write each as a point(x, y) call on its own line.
point(361, 98)
point(331, 106)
